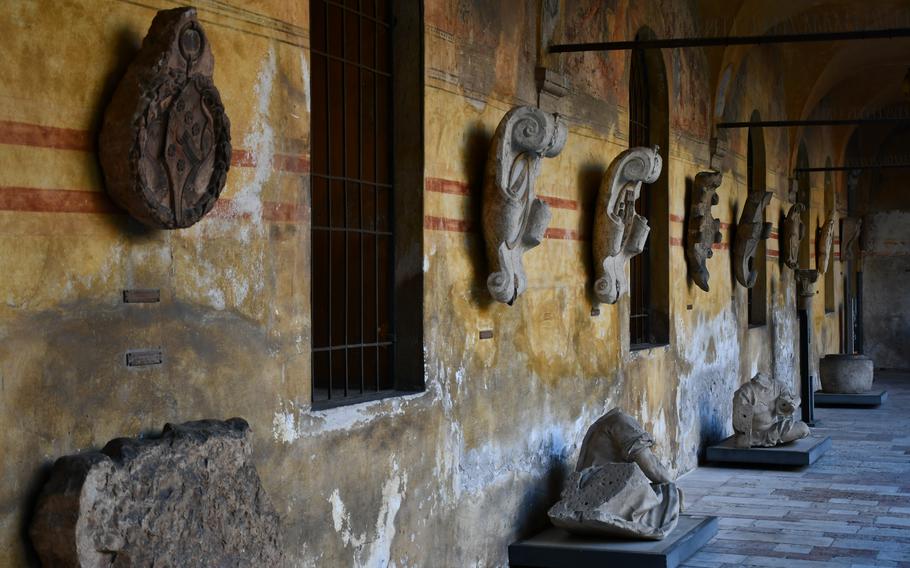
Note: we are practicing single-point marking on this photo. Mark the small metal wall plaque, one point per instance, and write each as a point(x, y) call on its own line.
point(142, 296)
point(486, 334)
point(144, 357)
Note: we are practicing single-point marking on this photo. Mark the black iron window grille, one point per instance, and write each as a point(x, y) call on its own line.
point(352, 278)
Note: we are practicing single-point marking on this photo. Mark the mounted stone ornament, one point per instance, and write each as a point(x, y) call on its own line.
point(619, 232)
point(824, 243)
point(514, 220)
point(703, 229)
point(751, 229)
point(794, 233)
point(165, 143)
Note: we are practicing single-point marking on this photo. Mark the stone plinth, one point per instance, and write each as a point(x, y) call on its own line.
point(860, 400)
point(557, 548)
point(799, 453)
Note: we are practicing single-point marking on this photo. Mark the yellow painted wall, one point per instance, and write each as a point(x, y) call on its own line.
point(445, 477)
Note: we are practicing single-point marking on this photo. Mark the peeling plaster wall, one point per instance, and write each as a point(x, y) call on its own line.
point(447, 477)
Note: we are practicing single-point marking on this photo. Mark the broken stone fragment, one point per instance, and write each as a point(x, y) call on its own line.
point(191, 497)
point(617, 499)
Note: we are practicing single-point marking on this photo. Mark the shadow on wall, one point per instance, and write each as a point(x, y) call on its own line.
point(731, 238)
point(689, 187)
point(590, 176)
point(539, 497)
point(475, 159)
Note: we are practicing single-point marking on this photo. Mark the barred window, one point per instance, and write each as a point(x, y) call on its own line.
point(354, 231)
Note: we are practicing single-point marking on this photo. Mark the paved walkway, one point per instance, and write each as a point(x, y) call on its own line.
point(851, 508)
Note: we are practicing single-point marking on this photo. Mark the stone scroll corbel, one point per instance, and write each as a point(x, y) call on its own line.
point(751, 229)
point(703, 229)
point(514, 220)
point(165, 145)
point(824, 242)
point(794, 233)
point(619, 232)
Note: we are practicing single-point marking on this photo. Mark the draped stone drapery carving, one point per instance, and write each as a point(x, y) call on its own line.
point(849, 237)
point(619, 232)
point(751, 229)
point(703, 229)
point(794, 233)
point(514, 220)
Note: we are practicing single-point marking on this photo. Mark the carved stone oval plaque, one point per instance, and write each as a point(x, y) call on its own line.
point(166, 142)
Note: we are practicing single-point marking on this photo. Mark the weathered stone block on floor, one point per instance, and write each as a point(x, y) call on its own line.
point(801, 452)
point(858, 400)
point(189, 498)
point(557, 548)
point(846, 373)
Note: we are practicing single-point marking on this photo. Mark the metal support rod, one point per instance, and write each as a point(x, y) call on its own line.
point(850, 168)
point(807, 392)
point(812, 122)
point(675, 43)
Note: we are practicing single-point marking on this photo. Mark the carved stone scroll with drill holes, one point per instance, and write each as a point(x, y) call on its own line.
point(751, 229)
point(514, 220)
point(619, 232)
point(703, 229)
point(165, 143)
point(794, 233)
point(824, 244)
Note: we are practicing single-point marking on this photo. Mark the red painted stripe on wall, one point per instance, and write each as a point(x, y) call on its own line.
point(37, 135)
point(55, 201)
point(453, 187)
point(444, 224)
point(34, 200)
point(40, 136)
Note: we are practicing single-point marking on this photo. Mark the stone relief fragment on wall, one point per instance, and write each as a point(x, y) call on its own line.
point(619, 232)
point(851, 227)
point(703, 229)
point(751, 229)
point(619, 487)
point(794, 233)
point(191, 497)
point(514, 220)
point(824, 244)
point(165, 144)
point(763, 412)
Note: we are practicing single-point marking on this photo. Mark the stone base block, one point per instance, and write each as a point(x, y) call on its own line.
point(556, 548)
point(861, 400)
point(798, 453)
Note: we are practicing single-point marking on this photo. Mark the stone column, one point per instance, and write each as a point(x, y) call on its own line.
point(805, 290)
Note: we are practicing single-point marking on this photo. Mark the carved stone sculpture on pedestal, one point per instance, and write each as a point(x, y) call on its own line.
point(824, 243)
point(514, 220)
point(618, 488)
point(763, 414)
point(189, 498)
point(751, 229)
point(794, 233)
point(619, 232)
point(165, 144)
point(703, 229)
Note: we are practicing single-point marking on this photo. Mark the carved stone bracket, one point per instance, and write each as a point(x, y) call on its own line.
point(794, 233)
point(703, 229)
point(823, 243)
point(751, 229)
point(619, 232)
point(805, 287)
point(514, 220)
point(165, 144)
point(851, 227)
